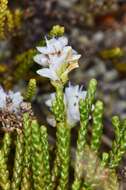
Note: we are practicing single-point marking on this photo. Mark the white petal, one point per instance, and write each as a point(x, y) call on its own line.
point(52, 45)
point(63, 40)
point(57, 43)
point(74, 52)
point(46, 50)
point(75, 58)
point(58, 46)
point(2, 98)
point(67, 49)
point(50, 100)
point(93, 107)
point(71, 90)
point(50, 42)
point(72, 99)
point(48, 73)
point(58, 60)
point(16, 100)
point(73, 94)
point(48, 103)
point(82, 95)
point(41, 59)
point(71, 119)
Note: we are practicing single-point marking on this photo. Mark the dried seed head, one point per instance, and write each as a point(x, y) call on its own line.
point(11, 120)
point(12, 108)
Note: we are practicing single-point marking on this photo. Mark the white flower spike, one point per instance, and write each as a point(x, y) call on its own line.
point(72, 96)
point(58, 59)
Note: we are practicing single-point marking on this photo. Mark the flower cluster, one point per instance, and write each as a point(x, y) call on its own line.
point(12, 108)
point(72, 96)
point(58, 59)
point(10, 101)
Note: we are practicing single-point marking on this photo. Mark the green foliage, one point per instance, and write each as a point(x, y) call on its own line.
point(37, 162)
point(25, 62)
point(58, 106)
point(31, 90)
point(6, 145)
point(18, 162)
point(97, 126)
point(9, 20)
point(26, 176)
point(62, 159)
point(40, 157)
point(4, 174)
point(32, 167)
point(57, 30)
point(63, 147)
point(3, 9)
point(46, 157)
point(85, 111)
point(119, 144)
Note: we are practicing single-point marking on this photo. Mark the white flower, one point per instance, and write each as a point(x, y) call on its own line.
point(10, 101)
point(16, 99)
point(72, 96)
point(2, 98)
point(58, 59)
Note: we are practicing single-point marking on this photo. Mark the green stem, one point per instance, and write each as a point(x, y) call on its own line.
point(18, 163)
point(97, 126)
point(37, 160)
point(4, 173)
point(64, 155)
point(105, 159)
point(119, 144)
point(58, 107)
point(6, 145)
point(31, 90)
point(85, 110)
point(45, 157)
point(86, 186)
point(26, 176)
point(63, 141)
point(55, 171)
